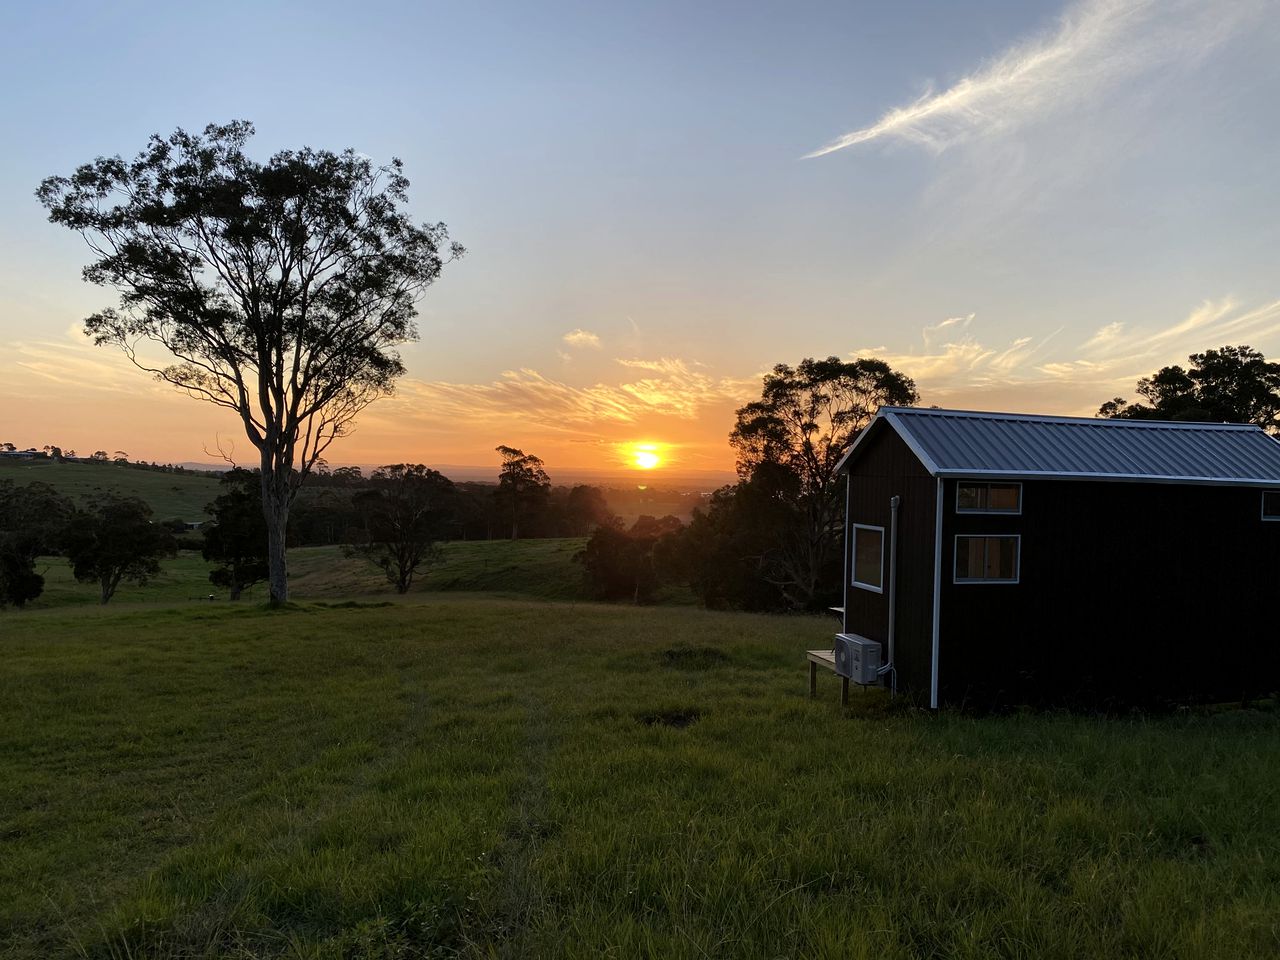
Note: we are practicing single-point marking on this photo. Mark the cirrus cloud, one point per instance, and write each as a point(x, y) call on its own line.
point(1048, 374)
point(669, 387)
point(1096, 46)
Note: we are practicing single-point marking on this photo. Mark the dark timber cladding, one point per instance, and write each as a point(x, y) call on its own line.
point(1085, 560)
point(1127, 592)
point(887, 469)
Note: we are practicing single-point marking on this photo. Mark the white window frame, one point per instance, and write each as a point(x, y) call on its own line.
point(1017, 557)
point(1268, 517)
point(853, 558)
point(987, 484)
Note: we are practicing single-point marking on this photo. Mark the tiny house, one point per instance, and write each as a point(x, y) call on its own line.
point(1004, 558)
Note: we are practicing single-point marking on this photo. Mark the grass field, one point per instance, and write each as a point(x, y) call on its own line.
point(181, 495)
point(447, 776)
point(540, 569)
point(543, 569)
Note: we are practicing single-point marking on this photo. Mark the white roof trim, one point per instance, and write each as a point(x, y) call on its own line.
point(862, 435)
point(887, 414)
point(929, 463)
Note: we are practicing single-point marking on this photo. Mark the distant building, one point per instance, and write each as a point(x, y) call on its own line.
point(1007, 558)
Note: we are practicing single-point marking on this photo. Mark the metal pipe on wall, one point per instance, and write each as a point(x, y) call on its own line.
point(891, 667)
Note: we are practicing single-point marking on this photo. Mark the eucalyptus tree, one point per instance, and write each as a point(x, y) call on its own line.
point(1229, 385)
point(278, 290)
point(113, 539)
point(406, 509)
point(522, 482)
point(235, 542)
point(789, 443)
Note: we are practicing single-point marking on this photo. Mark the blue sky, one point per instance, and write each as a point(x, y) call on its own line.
point(1037, 202)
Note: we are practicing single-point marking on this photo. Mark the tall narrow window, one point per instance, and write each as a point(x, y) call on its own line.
point(1271, 504)
point(973, 497)
point(868, 557)
point(987, 559)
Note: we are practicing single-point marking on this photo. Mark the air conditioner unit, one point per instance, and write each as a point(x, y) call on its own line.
point(857, 658)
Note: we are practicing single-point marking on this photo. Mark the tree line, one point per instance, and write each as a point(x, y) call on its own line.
point(397, 517)
point(57, 454)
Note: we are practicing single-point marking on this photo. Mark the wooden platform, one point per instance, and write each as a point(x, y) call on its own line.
point(825, 658)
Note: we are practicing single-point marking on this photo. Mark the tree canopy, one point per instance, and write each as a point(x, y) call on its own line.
point(236, 541)
point(1228, 385)
point(623, 564)
point(280, 289)
point(113, 539)
point(33, 521)
point(788, 444)
point(523, 484)
point(406, 511)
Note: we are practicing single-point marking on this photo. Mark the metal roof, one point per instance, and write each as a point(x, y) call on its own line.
point(953, 443)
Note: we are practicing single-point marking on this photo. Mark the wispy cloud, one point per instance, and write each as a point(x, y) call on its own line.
point(671, 388)
point(74, 362)
point(1096, 45)
point(582, 338)
point(1050, 374)
point(951, 323)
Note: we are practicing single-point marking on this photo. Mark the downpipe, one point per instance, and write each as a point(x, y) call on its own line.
point(890, 663)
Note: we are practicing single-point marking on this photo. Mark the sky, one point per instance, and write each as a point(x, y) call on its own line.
point(1023, 205)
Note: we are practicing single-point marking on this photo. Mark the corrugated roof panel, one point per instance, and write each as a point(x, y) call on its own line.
point(958, 442)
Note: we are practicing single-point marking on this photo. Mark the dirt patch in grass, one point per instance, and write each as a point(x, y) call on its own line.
point(693, 658)
point(671, 718)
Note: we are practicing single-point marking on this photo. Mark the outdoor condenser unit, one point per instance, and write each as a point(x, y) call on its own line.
point(857, 658)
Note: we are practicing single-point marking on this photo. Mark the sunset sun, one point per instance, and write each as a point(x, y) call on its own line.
point(644, 456)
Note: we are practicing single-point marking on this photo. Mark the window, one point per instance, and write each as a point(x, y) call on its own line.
point(868, 557)
point(988, 497)
point(987, 559)
point(1271, 504)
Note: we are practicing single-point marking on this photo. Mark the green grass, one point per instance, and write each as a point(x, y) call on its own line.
point(184, 578)
point(454, 777)
point(181, 495)
point(538, 569)
point(543, 569)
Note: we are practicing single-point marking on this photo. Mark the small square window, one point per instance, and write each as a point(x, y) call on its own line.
point(868, 557)
point(987, 559)
point(1271, 504)
point(973, 497)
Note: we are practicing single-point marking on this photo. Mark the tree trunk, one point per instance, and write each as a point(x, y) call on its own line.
point(236, 589)
point(278, 577)
point(275, 509)
point(109, 581)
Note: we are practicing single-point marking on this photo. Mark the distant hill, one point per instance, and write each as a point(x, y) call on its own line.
point(181, 495)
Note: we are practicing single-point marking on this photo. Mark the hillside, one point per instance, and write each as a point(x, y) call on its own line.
point(181, 495)
point(482, 778)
